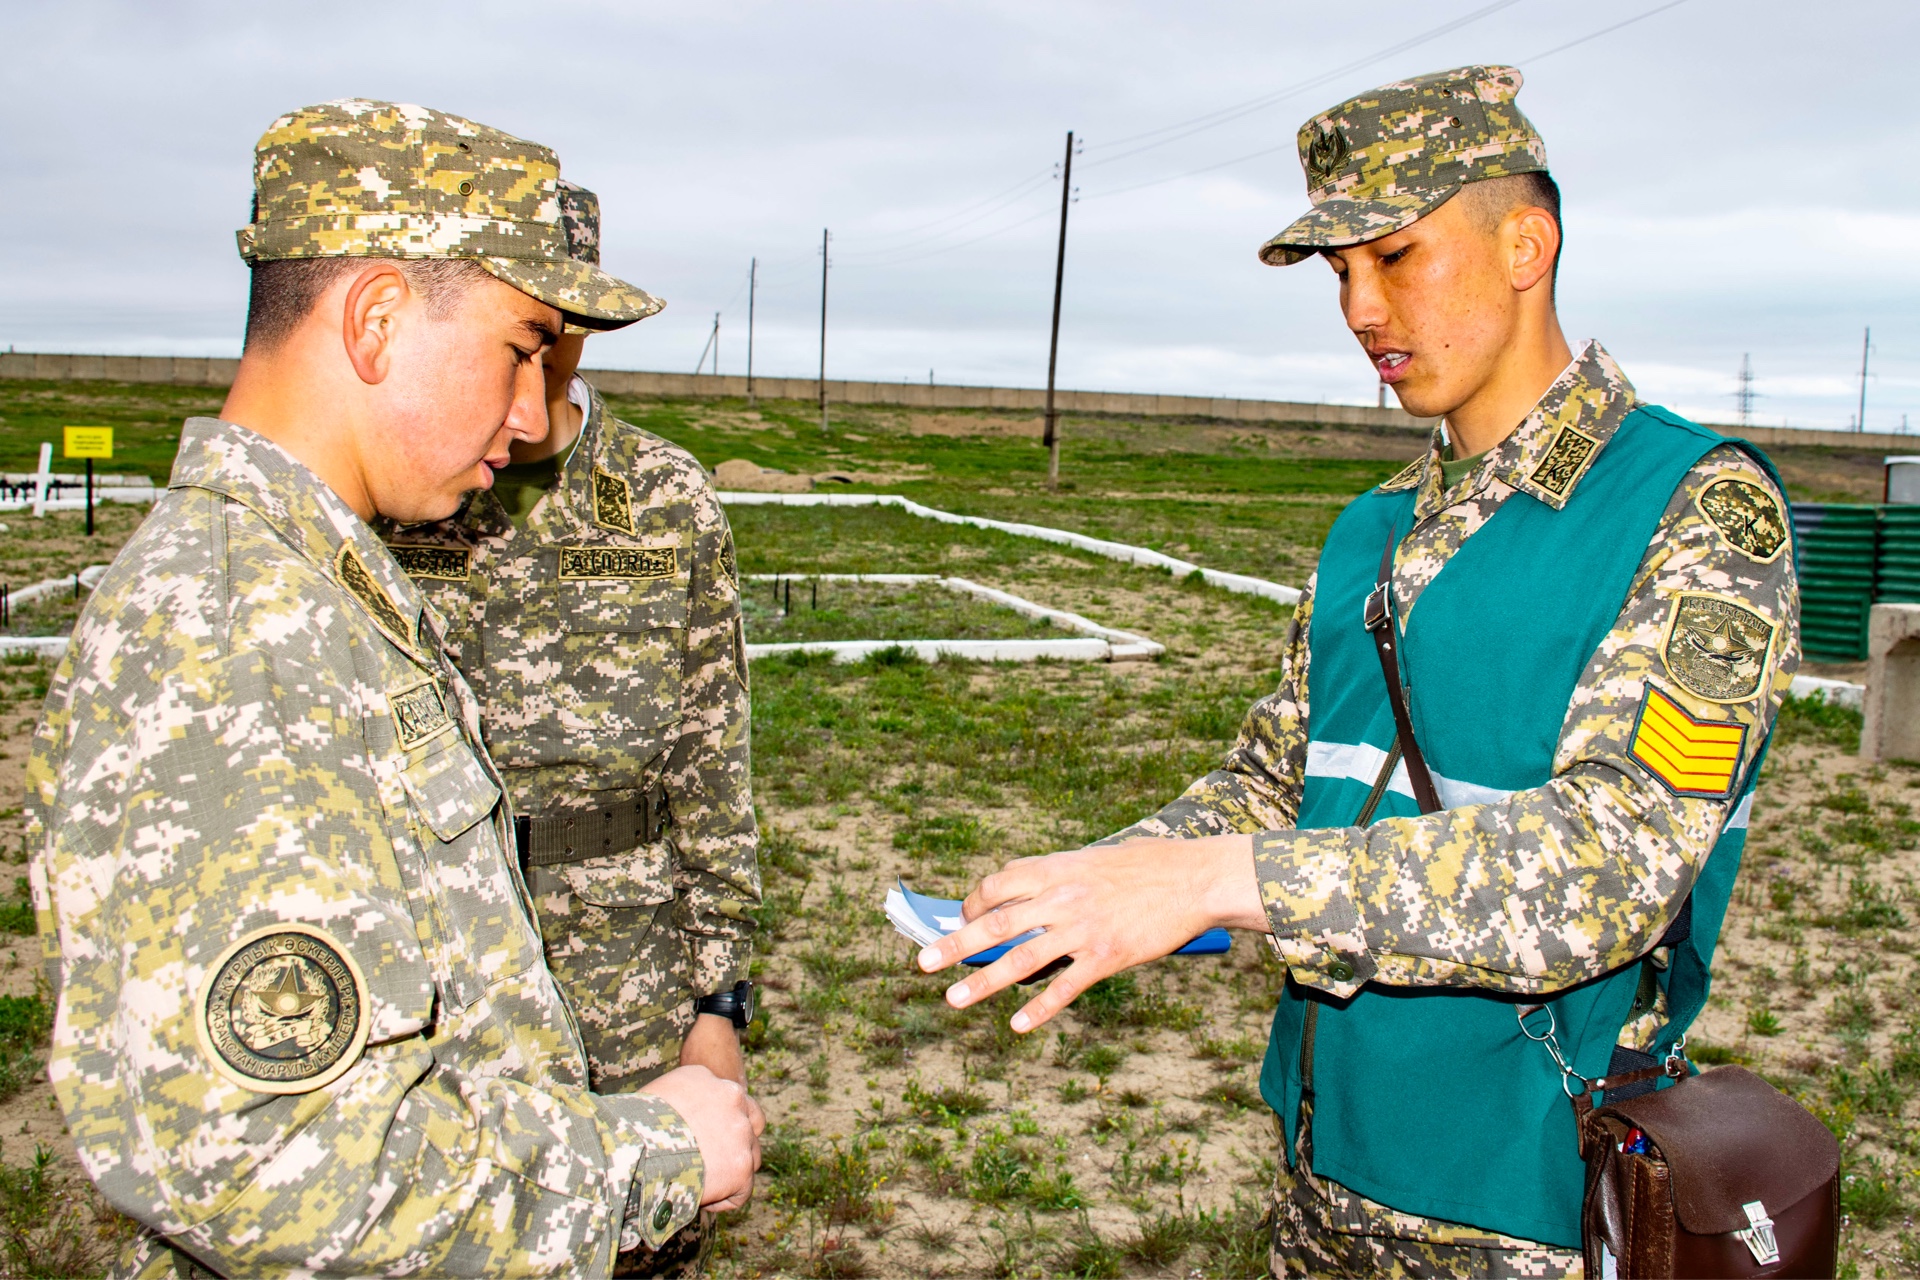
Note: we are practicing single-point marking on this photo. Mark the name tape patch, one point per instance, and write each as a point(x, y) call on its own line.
point(285, 1010)
point(1690, 756)
point(442, 564)
point(577, 563)
point(419, 712)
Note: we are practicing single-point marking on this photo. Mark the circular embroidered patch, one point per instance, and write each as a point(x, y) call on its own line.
point(285, 1010)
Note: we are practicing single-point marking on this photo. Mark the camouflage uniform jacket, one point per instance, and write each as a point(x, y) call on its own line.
point(603, 639)
point(1544, 888)
point(303, 1024)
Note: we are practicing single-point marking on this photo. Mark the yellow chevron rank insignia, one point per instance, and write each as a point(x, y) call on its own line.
point(1691, 757)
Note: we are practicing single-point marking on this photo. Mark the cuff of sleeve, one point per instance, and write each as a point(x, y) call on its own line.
point(656, 1159)
point(718, 963)
point(1306, 884)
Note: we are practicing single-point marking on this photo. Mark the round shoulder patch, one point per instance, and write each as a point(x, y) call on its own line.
point(285, 1010)
point(1747, 516)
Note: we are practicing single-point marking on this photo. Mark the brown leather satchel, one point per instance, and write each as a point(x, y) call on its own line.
point(1719, 1175)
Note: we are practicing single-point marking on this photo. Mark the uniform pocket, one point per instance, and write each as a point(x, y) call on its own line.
point(640, 877)
point(449, 787)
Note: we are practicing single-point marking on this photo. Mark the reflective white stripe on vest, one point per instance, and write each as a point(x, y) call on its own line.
point(1361, 763)
point(1737, 820)
point(1358, 762)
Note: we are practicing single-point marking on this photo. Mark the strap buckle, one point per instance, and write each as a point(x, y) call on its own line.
point(1379, 607)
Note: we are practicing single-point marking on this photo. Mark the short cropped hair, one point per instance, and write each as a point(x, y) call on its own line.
point(283, 291)
point(1491, 200)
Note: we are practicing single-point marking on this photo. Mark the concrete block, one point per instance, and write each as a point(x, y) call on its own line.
point(1892, 702)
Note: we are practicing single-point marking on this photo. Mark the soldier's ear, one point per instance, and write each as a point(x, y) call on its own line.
point(370, 318)
point(1532, 238)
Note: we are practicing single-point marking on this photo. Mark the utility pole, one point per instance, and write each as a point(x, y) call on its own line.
point(753, 271)
point(1866, 345)
point(712, 344)
point(824, 238)
point(1744, 396)
point(1052, 433)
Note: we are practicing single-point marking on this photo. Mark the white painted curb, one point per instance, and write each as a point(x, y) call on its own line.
point(1236, 582)
point(1106, 643)
point(1840, 693)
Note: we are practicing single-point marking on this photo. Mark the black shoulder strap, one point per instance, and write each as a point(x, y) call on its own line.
point(1379, 619)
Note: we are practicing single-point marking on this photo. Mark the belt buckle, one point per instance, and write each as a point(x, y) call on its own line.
point(1378, 608)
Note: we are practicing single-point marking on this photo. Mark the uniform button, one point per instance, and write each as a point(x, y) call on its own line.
point(662, 1215)
point(1340, 971)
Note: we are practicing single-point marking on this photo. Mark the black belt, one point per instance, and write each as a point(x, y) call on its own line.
point(591, 833)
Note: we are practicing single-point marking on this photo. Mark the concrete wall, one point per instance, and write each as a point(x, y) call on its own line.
point(209, 371)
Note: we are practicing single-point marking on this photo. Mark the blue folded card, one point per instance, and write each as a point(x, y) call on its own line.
point(927, 920)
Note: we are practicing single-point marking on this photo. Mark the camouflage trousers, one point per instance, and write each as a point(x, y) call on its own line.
point(625, 972)
point(1321, 1228)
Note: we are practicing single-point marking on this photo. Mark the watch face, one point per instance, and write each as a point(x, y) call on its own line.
point(746, 992)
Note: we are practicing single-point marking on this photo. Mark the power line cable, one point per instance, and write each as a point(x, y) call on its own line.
point(909, 257)
point(1011, 193)
point(1289, 145)
point(1607, 31)
point(1026, 188)
point(1225, 115)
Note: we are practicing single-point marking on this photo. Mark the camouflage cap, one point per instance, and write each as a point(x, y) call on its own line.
point(580, 219)
point(1378, 163)
point(394, 180)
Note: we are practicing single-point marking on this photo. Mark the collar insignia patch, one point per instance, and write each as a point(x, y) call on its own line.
point(355, 578)
point(612, 503)
point(1716, 648)
point(581, 563)
point(1407, 477)
point(442, 564)
point(1566, 460)
point(1689, 756)
point(1747, 516)
point(285, 1011)
point(419, 712)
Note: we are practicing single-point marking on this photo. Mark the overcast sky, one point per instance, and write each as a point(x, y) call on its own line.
point(1740, 177)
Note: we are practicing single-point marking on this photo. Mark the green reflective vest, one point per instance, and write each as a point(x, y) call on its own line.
point(1426, 1099)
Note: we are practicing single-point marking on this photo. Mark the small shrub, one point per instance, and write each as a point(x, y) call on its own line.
point(944, 1105)
point(1103, 1060)
point(1108, 1002)
point(1161, 1240)
point(1089, 1256)
point(1763, 1022)
point(998, 1170)
point(1234, 1095)
point(17, 916)
point(1873, 1197)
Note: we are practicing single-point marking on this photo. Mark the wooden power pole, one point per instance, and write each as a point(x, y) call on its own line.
point(1052, 435)
point(823, 330)
point(753, 270)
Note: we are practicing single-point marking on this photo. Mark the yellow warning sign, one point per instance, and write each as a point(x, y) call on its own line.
point(89, 442)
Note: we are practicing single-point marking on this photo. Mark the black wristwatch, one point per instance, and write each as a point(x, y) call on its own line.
point(736, 1006)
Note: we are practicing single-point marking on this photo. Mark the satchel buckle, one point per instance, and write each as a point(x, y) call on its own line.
point(1378, 608)
point(1758, 1235)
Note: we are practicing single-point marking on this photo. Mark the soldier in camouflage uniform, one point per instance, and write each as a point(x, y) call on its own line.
point(1606, 874)
point(592, 603)
point(303, 1021)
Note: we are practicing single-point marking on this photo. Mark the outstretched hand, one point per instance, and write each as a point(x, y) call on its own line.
point(1107, 907)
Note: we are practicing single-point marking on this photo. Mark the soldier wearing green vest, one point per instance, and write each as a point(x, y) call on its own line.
point(1592, 615)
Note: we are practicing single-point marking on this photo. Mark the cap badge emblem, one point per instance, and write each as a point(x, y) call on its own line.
point(1326, 153)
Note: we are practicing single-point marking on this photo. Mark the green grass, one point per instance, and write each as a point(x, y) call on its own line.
point(874, 611)
point(145, 418)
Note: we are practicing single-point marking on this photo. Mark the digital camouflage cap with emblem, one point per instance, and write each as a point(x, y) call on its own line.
point(1381, 161)
point(356, 177)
